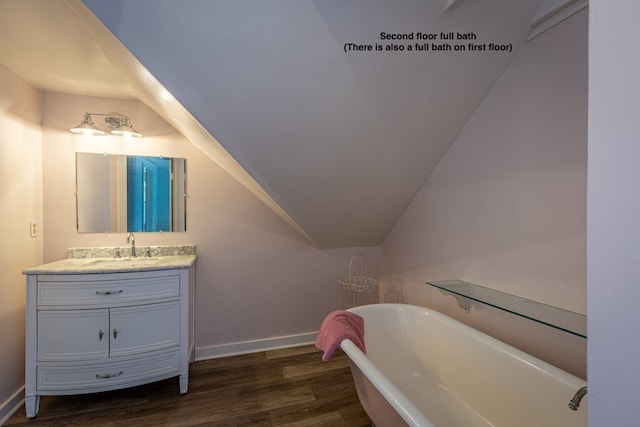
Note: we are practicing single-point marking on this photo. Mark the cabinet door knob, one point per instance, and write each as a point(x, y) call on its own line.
point(115, 333)
point(100, 334)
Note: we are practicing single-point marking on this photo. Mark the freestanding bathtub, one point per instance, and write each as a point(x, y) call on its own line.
point(425, 369)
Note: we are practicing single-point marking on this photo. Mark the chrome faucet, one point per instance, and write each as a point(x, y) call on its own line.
point(575, 402)
point(132, 239)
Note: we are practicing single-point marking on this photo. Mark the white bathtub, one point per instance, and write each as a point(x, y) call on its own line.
point(423, 368)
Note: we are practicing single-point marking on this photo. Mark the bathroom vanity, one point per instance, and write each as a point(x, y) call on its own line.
point(99, 324)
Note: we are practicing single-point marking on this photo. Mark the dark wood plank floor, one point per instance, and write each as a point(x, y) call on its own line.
point(289, 387)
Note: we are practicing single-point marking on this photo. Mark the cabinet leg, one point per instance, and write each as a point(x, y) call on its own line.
point(184, 384)
point(31, 405)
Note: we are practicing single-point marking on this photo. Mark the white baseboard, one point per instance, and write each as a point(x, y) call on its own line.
point(8, 408)
point(254, 346)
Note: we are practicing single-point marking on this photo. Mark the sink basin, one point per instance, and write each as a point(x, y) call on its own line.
point(128, 262)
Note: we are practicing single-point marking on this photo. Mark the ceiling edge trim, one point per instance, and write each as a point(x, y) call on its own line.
point(449, 3)
point(548, 15)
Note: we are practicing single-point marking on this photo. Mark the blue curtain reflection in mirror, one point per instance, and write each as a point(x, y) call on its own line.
point(148, 194)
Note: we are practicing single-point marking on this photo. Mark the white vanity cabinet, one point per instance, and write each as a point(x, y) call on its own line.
point(92, 332)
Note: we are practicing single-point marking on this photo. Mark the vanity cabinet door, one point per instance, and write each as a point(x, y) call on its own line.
point(144, 328)
point(67, 335)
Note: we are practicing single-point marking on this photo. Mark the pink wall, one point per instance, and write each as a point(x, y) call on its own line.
point(256, 277)
point(20, 201)
point(506, 206)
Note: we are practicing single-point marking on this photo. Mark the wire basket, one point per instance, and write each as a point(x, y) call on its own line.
point(358, 290)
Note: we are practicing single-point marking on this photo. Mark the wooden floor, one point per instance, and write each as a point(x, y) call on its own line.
point(290, 387)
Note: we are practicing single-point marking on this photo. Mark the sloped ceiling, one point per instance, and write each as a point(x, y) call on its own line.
point(341, 140)
point(43, 43)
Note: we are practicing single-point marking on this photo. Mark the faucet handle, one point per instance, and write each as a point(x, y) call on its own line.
point(574, 404)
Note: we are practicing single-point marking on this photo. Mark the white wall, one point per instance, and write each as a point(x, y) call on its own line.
point(20, 201)
point(614, 213)
point(256, 278)
point(506, 206)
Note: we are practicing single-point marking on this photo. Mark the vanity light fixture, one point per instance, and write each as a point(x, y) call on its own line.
point(87, 127)
point(119, 125)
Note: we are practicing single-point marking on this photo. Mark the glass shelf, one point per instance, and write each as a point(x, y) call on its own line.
point(568, 321)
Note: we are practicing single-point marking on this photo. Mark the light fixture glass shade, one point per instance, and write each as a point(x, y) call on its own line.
point(126, 130)
point(87, 127)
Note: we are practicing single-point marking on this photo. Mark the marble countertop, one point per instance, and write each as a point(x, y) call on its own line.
point(111, 264)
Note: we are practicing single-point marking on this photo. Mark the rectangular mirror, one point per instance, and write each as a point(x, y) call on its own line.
point(121, 193)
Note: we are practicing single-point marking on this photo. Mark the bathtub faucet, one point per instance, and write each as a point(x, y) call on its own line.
point(575, 402)
point(132, 239)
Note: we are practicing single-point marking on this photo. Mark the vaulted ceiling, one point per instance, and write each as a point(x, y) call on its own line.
point(334, 137)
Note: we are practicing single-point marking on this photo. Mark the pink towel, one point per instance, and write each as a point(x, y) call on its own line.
point(337, 326)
